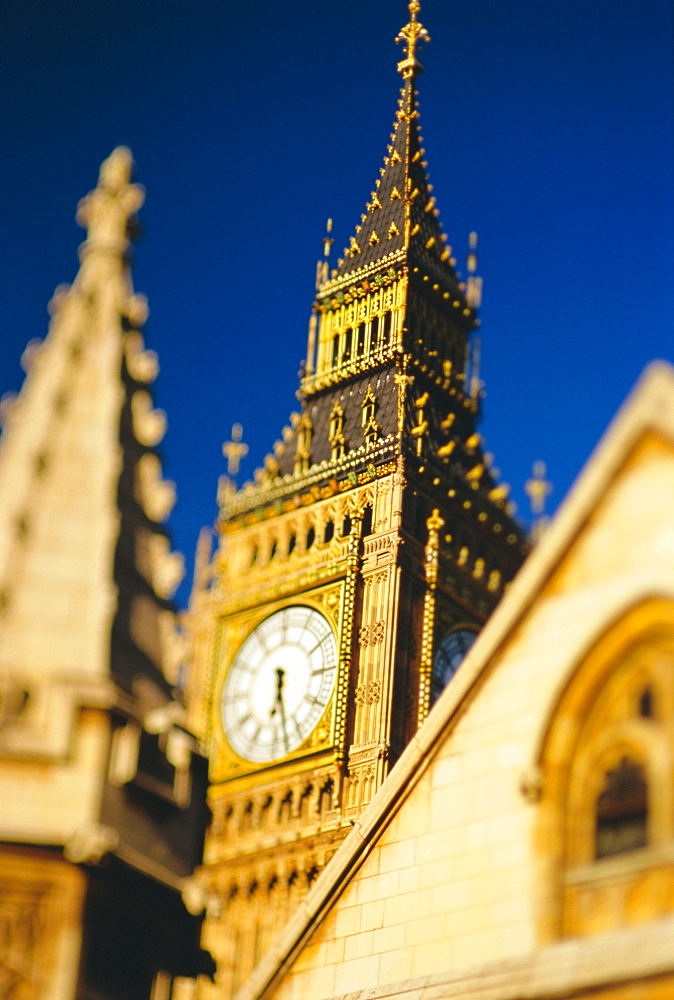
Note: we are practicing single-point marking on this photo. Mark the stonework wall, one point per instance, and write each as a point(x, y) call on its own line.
point(461, 876)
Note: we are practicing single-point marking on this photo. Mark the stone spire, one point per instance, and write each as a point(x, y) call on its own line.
point(77, 454)
point(94, 754)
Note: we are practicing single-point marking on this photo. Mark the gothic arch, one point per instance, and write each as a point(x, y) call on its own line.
point(615, 714)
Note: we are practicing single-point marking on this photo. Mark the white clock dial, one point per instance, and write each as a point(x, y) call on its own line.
point(279, 684)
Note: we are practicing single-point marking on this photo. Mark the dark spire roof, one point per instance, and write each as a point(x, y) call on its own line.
point(401, 220)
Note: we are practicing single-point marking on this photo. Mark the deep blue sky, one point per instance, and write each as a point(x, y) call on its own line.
point(548, 129)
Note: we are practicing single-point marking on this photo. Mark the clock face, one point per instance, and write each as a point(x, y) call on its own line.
point(451, 652)
point(279, 684)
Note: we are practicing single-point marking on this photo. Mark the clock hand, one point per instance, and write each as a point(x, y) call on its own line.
point(280, 673)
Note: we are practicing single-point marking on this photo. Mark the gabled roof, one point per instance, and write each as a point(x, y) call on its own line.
point(647, 415)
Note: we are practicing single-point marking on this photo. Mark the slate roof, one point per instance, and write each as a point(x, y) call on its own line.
point(350, 397)
point(402, 197)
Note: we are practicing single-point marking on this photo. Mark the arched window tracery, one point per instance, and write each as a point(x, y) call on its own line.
point(606, 820)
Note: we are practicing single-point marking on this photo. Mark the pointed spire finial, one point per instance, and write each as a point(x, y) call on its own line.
point(411, 35)
point(473, 282)
point(538, 488)
point(322, 267)
point(107, 211)
point(234, 450)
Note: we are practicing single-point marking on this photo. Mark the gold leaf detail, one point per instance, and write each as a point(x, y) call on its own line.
point(446, 449)
point(475, 472)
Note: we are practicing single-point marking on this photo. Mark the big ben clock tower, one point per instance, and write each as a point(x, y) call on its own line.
point(354, 573)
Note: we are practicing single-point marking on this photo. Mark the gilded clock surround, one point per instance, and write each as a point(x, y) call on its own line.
point(226, 762)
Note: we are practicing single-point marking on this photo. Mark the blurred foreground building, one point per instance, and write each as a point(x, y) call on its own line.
point(101, 786)
point(381, 823)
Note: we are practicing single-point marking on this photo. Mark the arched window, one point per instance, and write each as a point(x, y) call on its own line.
point(285, 808)
point(605, 817)
point(348, 341)
point(621, 814)
point(448, 658)
point(374, 331)
point(386, 328)
point(246, 821)
point(325, 797)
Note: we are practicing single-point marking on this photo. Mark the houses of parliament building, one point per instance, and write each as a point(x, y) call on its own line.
point(393, 747)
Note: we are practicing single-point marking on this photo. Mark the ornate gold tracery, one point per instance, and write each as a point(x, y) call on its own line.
point(606, 825)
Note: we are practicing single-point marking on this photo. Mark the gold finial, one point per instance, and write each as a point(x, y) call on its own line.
point(411, 35)
point(323, 266)
point(234, 450)
point(473, 283)
point(538, 489)
point(327, 239)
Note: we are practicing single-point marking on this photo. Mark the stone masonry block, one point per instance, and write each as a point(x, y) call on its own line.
point(411, 906)
point(347, 921)
point(377, 887)
point(389, 939)
point(358, 945)
point(352, 975)
point(372, 915)
point(393, 857)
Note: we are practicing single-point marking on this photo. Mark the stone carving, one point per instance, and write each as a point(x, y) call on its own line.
point(374, 692)
point(106, 211)
point(143, 365)
point(149, 425)
point(377, 634)
point(137, 310)
point(157, 495)
point(167, 568)
point(371, 635)
point(173, 646)
point(91, 844)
